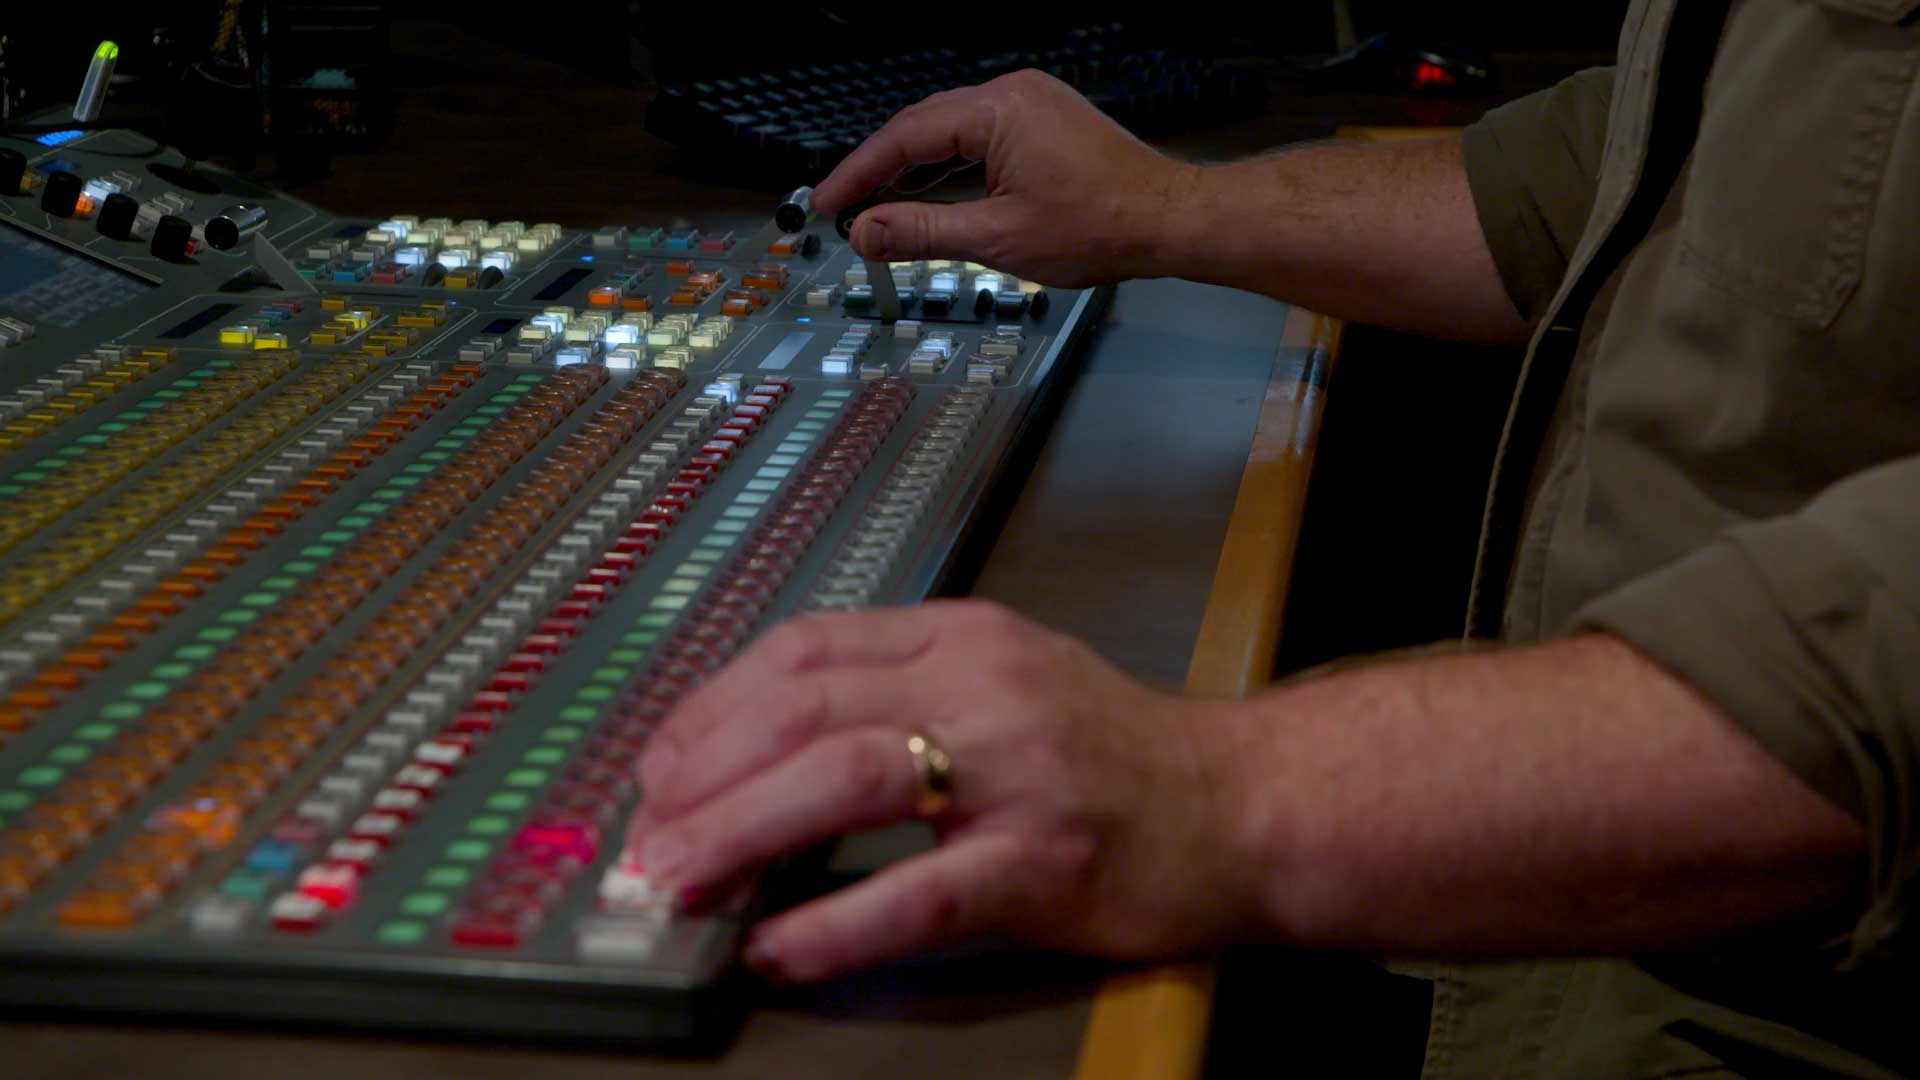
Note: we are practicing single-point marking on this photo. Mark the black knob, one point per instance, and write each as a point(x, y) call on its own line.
point(1037, 307)
point(61, 194)
point(490, 277)
point(171, 237)
point(983, 302)
point(117, 212)
point(436, 273)
point(13, 166)
point(810, 246)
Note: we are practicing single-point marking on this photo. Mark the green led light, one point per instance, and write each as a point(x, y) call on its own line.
point(107, 51)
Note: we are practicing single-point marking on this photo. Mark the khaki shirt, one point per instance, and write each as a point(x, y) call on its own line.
point(1714, 452)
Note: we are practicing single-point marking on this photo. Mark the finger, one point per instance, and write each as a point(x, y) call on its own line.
point(779, 721)
point(852, 780)
point(975, 230)
point(804, 643)
point(961, 890)
point(958, 123)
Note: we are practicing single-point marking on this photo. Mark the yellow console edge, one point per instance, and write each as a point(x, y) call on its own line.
point(1152, 1023)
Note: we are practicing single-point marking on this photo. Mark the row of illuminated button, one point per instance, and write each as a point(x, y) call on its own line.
point(128, 885)
point(167, 418)
point(992, 360)
point(258, 331)
point(220, 628)
point(872, 548)
point(256, 644)
point(224, 531)
point(717, 626)
point(484, 678)
point(622, 290)
point(355, 812)
point(650, 238)
point(53, 399)
point(584, 799)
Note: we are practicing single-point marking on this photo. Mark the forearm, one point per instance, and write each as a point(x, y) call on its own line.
point(1570, 797)
point(1378, 233)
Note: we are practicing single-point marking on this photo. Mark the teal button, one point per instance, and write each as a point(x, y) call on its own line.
point(490, 825)
point(761, 485)
point(147, 691)
point(526, 778)
point(508, 801)
point(784, 461)
point(372, 506)
point(69, 753)
point(121, 710)
point(317, 551)
point(562, 733)
point(196, 653)
point(417, 469)
point(678, 585)
point(610, 675)
point(301, 566)
point(15, 800)
point(403, 481)
point(335, 536)
point(740, 513)
point(627, 656)
point(545, 755)
point(637, 637)
point(260, 599)
point(217, 633)
point(730, 525)
point(657, 618)
point(751, 498)
point(251, 884)
point(809, 425)
point(579, 713)
point(96, 732)
point(594, 693)
point(668, 603)
point(354, 521)
point(171, 672)
point(791, 448)
point(239, 616)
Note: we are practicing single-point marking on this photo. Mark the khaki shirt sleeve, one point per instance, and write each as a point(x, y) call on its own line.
point(1805, 630)
point(1532, 166)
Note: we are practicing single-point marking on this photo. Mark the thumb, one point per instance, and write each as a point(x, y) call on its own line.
point(975, 230)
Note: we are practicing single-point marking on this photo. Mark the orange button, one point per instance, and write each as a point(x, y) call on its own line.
point(86, 658)
point(59, 678)
point(113, 640)
point(32, 698)
point(263, 524)
point(101, 910)
point(159, 603)
point(203, 570)
point(12, 719)
point(179, 586)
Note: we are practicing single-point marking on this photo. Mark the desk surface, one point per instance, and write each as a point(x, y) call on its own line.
point(1114, 537)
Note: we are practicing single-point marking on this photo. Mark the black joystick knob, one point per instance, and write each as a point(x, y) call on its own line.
point(13, 166)
point(810, 247)
point(1037, 307)
point(436, 273)
point(61, 194)
point(983, 302)
point(490, 277)
point(171, 238)
point(117, 212)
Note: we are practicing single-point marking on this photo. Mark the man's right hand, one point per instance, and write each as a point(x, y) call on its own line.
point(1072, 199)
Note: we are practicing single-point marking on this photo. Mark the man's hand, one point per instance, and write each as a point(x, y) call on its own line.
point(1072, 199)
point(1088, 812)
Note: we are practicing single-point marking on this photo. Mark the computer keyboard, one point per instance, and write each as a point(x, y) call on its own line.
point(795, 123)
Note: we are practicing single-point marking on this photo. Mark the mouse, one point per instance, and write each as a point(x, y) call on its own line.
point(1398, 63)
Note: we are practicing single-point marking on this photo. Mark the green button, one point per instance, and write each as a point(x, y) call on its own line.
point(594, 693)
point(69, 753)
point(121, 710)
point(730, 525)
point(444, 444)
point(469, 850)
point(751, 498)
point(260, 599)
point(526, 778)
point(637, 637)
point(741, 512)
point(248, 883)
point(448, 877)
point(678, 585)
point(627, 656)
point(579, 713)
point(113, 427)
point(545, 755)
point(280, 583)
point(763, 485)
point(403, 481)
point(425, 903)
point(392, 494)
point(30, 476)
point(41, 776)
point(401, 932)
point(417, 469)
point(562, 733)
point(96, 732)
point(372, 506)
point(217, 633)
point(92, 440)
point(614, 675)
point(195, 653)
point(354, 521)
point(336, 536)
point(301, 566)
point(147, 691)
point(317, 551)
point(809, 425)
point(508, 801)
point(840, 392)
point(10, 490)
point(781, 459)
point(465, 431)
point(172, 671)
point(692, 571)
point(435, 455)
point(490, 825)
point(239, 616)
point(490, 410)
point(659, 619)
point(15, 800)
point(668, 603)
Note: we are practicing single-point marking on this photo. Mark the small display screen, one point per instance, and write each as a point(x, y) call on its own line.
point(49, 285)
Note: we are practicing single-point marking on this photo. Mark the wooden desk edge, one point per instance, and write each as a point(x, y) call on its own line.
point(1153, 1022)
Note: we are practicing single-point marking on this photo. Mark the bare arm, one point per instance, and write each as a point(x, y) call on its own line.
point(1569, 797)
point(1384, 233)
